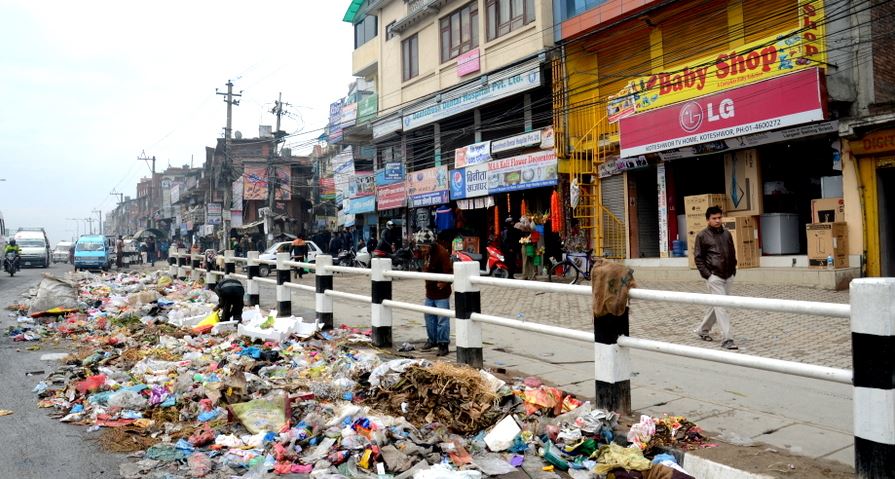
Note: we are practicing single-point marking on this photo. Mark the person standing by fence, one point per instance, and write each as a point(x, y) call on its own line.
point(717, 264)
point(438, 293)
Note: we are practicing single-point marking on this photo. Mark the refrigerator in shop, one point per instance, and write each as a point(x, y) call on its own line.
point(779, 233)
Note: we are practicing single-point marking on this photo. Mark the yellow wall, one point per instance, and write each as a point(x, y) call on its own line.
point(854, 212)
point(436, 76)
point(601, 64)
point(363, 57)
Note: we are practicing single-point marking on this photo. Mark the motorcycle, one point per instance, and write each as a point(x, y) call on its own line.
point(407, 259)
point(495, 265)
point(11, 263)
point(347, 258)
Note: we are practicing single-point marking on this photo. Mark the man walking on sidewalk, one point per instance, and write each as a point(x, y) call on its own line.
point(717, 264)
point(438, 293)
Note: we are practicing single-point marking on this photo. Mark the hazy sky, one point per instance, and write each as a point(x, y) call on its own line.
point(86, 86)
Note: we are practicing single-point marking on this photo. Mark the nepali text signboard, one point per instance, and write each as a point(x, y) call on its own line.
point(778, 103)
point(391, 196)
point(335, 121)
point(363, 204)
point(532, 170)
point(764, 59)
point(214, 213)
point(469, 182)
point(467, 99)
point(427, 187)
point(474, 154)
point(394, 171)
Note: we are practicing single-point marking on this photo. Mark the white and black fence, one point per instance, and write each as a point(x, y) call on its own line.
point(871, 313)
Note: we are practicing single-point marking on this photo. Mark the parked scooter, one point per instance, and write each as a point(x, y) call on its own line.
point(11, 263)
point(363, 258)
point(494, 265)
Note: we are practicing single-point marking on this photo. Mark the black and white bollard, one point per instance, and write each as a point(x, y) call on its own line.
point(172, 262)
point(873, 341)
point(284, 296)
point(612, 363)
point(252, 286)
point(323, 304)
point(382, 289)
point(182, 256)
point(229, 262)
point(195, 263)
point(468, 300)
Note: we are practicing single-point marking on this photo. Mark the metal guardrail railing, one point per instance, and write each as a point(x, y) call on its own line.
point(871, 314)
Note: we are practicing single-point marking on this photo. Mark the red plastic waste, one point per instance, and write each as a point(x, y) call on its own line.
point(91, 384)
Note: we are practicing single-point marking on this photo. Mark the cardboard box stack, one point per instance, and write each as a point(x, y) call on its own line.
point(695, 207)
point(744, 230)
point(825, 240)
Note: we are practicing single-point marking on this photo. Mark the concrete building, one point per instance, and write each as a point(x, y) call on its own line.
point(452, 79)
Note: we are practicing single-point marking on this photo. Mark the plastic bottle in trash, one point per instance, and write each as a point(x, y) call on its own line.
point(830, 262)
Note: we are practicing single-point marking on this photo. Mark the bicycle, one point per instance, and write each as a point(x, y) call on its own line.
point(571, 268)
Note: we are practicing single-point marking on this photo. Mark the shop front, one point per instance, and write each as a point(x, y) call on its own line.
point(763, 151)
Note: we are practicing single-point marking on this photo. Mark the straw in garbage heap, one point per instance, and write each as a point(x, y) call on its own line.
point(453, 395)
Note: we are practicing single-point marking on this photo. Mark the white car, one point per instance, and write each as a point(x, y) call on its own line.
point(285, 247)
point(61, 251)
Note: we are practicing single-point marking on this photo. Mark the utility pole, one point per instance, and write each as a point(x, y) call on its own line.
point(145, 158)
point(100, 222)
point(272, 180)
point(77, 226)
point(119, 195)
point(225, 176)
point(90, 222)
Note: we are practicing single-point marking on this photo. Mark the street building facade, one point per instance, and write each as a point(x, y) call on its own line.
point(456, 134)
point(665, 108)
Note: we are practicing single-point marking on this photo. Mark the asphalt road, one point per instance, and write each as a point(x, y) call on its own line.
point(35, 445)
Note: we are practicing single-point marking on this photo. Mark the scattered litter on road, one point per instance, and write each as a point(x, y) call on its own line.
point(277, 395)
point(5, 412)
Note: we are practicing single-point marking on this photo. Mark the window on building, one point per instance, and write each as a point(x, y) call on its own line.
point(504, 16)
point(410, 54)
point(364, 30)
point(389, 34)
point(388, 154)
point(459, 31)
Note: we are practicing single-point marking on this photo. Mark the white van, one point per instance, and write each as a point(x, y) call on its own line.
point(35, 248)
point(2, 233)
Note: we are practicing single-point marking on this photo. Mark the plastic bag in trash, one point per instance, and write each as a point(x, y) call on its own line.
point(443, 471)
point(266, 414)
point(493, 464)
point(54, 293)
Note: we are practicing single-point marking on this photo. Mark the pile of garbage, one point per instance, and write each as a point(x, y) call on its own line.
point(226, 403)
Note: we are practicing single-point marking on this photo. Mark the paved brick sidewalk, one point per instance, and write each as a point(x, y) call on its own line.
point(810, 339)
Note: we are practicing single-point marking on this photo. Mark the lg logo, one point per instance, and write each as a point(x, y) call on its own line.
point(691, 115)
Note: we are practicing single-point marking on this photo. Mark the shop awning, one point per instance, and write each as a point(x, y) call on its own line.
point(151, 231)
point(250, 225)
point(353, 8)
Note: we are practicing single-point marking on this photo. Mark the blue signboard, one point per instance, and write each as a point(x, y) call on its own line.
point(364, 204)
point(458, 184)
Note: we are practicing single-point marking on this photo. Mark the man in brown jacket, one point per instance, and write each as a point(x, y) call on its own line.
point(717, 264)
point(438, 293)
